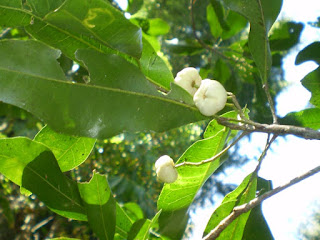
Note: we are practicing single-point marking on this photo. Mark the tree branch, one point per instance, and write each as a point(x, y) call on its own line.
point(237, 211)
point(277, 129)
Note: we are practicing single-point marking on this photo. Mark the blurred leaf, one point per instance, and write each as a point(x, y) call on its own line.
point(261, 15)
point(6, 210)
point(140, 229)
point(64, 238)
point(134, 6)
point(315, 24)
point(33, 166)
point(224, 24)
point(312, 83)
point(158, 27)
point(309, 118)
point(69, 151)
point(133, 210)
point(120, 104)
point(242, 194)
point(175, 198)
point(285, 36)
point(257, 227)
point(309, 53)
point(213, 20)
point(100, 206)
point(185, 47)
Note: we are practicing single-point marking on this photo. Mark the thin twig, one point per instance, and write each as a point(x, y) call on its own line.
point(277, 129)
point(237, 211)
point(270, 101)
point(237, 105)
point(214, 157)
point(263, 154)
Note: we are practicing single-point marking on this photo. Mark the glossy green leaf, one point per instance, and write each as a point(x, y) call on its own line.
point(309, 53)
point(141, 228)
point(100, 109)
point(285, 36)
point(100, 206)
point(175, 198)
point(257, 227)
point(261, 15)
point(70, 151)
point(312, 83)
point(32, 165)
point(309, 118)
point(77, 24)
point(242, 194)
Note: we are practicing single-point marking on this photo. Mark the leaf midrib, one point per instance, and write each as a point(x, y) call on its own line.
point(103, 88)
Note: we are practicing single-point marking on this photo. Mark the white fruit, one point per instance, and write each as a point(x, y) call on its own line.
point(210, 98)
point(166, 172)
point(189, 79)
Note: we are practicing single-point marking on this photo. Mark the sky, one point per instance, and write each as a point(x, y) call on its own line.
point(290, 156)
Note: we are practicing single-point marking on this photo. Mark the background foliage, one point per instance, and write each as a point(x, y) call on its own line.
point(78, 95)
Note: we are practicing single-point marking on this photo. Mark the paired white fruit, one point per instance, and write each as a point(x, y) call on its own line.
point(189, 79)
point(210, 98)
point(166, 172)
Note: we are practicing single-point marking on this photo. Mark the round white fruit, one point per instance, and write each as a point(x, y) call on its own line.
point(210, 98)
point(166, 172)
point(189, 79)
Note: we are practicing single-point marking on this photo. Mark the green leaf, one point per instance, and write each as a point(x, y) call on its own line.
point(100, 109)
point(309, 118)
point(261, 15)
point(123, 222)
point(309, 53)
point(257, 227)
point(154, 67)
point(100, 206)
point(157, 26)
point(175, 198)
point(213, 20)
point(69, 151)
point(312, 83)
point(224, 24)
point(64, 238)
point(242, 194)
point(133, 210)
point(141, 228)
point(285, 36)
point(6, 211)
point(9, 17)
point(42, 8)
point(134, 6)
point(77, 24)
point(32, 165)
